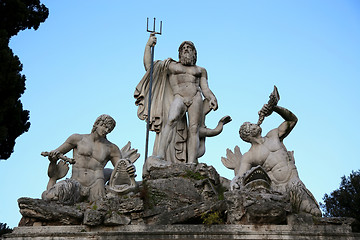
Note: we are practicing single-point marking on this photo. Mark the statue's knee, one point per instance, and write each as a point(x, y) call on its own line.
point(172, 122)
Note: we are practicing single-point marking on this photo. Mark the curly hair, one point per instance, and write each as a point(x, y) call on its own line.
point(244, 131)
point(104, 120)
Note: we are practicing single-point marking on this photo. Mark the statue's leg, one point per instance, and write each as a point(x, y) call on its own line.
point(177, 110)
point(97, 190)
point(195, 112)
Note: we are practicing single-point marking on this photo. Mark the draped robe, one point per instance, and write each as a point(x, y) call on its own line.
point(162, 97)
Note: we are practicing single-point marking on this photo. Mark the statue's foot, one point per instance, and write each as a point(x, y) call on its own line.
point(159, 158)
point(157, 161)
point(154, 162)
point(192, 163)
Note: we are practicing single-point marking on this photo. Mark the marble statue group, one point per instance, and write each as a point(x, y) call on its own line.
point(181, 100)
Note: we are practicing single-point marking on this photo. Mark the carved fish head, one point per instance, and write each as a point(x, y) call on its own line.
point(123, 176)
point(255, 178)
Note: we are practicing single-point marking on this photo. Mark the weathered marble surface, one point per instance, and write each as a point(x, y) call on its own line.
point(183, 194)
point(271, 156)
point(179, 89)
point(194, 196)
point(177, 194)
point(88, 177)
point(257, 207)
point(187, 232)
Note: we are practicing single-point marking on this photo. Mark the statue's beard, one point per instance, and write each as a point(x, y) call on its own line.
point(187, 59)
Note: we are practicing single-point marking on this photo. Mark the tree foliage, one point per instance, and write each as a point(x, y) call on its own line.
point(4, 229)
point(345, 201)
point(15, 15)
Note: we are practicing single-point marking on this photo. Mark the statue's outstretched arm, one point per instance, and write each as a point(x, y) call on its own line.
point(58, 170)
point(68, 145)
point(290, 121)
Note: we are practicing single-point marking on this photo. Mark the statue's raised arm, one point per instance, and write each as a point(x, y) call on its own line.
point(290, 121)
point(147, 53)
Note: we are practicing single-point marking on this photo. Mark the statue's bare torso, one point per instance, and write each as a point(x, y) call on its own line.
point(272, 156)
point(91, 158)
point(184, 80)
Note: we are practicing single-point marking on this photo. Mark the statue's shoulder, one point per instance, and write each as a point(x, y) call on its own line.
point(169, 61)
point(76, 137)
point(163, 64)
point(202, 69)
point(272, 137)
point(114, 147)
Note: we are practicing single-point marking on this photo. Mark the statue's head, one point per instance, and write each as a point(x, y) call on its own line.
point(249, 130)
point(187, 53)
point(106, 121)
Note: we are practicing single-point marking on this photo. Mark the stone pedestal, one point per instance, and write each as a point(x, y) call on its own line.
point(185, 232)
point(178, 202)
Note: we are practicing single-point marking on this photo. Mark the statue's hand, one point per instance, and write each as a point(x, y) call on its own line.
point(266, 110)
point(131, 170)
point(53, 155)
point(152, 40)
point(213, 104)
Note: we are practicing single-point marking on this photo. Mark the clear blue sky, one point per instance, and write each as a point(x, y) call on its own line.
point(86, 60)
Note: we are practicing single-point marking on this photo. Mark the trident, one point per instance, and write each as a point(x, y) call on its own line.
point(150, 83)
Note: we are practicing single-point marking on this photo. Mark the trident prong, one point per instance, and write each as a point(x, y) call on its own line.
point(150, 84)
point(153, 31)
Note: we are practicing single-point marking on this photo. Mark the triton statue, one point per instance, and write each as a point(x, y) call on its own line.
point(270, 154)
point(91, 154)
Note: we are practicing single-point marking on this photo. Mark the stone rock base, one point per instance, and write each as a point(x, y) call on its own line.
point(186, 232)
point(177, 194)
point(257, 207)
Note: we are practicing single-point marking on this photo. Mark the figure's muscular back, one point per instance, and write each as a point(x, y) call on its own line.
point(184, 80)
